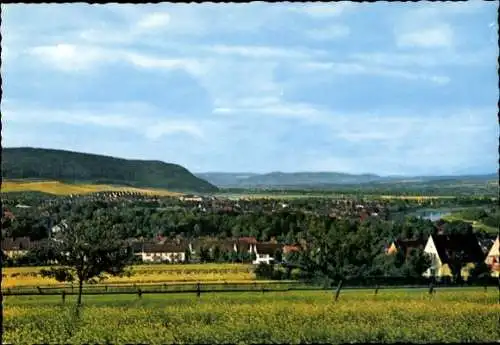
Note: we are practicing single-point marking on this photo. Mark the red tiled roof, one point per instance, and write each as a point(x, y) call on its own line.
point(289, 249)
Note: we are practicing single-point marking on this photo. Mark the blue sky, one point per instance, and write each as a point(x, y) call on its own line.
point(388, 88)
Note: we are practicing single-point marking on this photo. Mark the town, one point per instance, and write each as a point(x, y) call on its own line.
point(202, 242)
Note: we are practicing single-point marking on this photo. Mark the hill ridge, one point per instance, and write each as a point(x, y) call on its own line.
point(80, 167)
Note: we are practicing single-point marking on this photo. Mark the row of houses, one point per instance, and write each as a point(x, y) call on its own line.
point(444, 249)
point(174, 251)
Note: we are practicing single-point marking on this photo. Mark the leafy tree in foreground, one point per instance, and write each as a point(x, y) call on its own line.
point(85, 251)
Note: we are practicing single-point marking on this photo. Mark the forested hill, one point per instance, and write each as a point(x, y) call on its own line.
point(35, 163)
point(327, 180)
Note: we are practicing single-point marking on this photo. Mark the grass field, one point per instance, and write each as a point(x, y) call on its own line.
point(59, 188)
point(478, 226)
point(142, 274)
point(451, 315)
point(337, 195)
point(408, 197)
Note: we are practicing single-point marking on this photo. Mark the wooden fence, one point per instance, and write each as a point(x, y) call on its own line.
point(198, 289)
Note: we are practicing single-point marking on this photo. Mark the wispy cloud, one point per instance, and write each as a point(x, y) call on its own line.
point(367, 69)
point(118, 116)
point(433, 37)
point(329, 33)
point(324, 10)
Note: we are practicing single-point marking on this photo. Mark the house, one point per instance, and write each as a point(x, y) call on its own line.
point(161, 252)
point(264, 252)
point(57, 228)
point(8, 215)
point(18, 247)
point(405, 246)
point(444, 248)
point(290, 249)
point(486, 243)
point(191, 197)
point(493, 258)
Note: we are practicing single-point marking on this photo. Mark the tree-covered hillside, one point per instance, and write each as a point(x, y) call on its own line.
point(34, 163)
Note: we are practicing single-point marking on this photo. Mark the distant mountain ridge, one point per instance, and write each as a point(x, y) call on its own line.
point(324, 179)
point(69, 166)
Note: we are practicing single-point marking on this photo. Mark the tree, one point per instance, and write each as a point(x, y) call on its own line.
point(278, 255)
point(416, 263)
point(217, 254)
point(87, 250)
point(480, 272)
point(204, 254)
point(455, 263)
point(187, 255)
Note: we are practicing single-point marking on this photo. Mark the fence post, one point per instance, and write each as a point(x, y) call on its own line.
point(337, 293)
point(376, 290)
point(63, 295)
point(198, 290)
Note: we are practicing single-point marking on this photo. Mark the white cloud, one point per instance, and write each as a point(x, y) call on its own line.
point(370, 69)
point(154, 20)
point(433, 37)
point(424, 59)
point(74, 58)
point(329, 33)
point(70, 57)
point(278, 109)
point(262, 51)
point(323, 10)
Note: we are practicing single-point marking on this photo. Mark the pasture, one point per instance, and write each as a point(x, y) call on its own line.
point(450, 315)
point(60, 188)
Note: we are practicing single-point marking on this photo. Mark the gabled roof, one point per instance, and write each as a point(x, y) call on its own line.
point(21, 243)
point(164, 248)
point(267, 248)
point(407, 245)
point(486, 244)
point(494, 250)
point(290, 249)
point(448, 245)
point(250, 240)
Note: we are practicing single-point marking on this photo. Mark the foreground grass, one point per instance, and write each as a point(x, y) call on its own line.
point(453, 315)
point(141, 274)
point(59, 188)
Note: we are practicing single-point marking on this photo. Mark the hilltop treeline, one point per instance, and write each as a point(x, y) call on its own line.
point(33, 163)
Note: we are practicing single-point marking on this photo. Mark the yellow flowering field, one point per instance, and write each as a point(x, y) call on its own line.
point(451, 315)
point(141, 274)
point(60, 188)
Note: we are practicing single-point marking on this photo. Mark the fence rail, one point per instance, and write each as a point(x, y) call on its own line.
point(199, 288)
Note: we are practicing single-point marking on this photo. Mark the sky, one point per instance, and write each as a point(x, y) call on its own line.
point(406, 88)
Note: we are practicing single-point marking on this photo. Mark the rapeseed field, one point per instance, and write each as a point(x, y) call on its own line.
point(451, 315)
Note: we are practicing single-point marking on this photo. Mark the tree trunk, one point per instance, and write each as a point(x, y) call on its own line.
point(80, 288)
